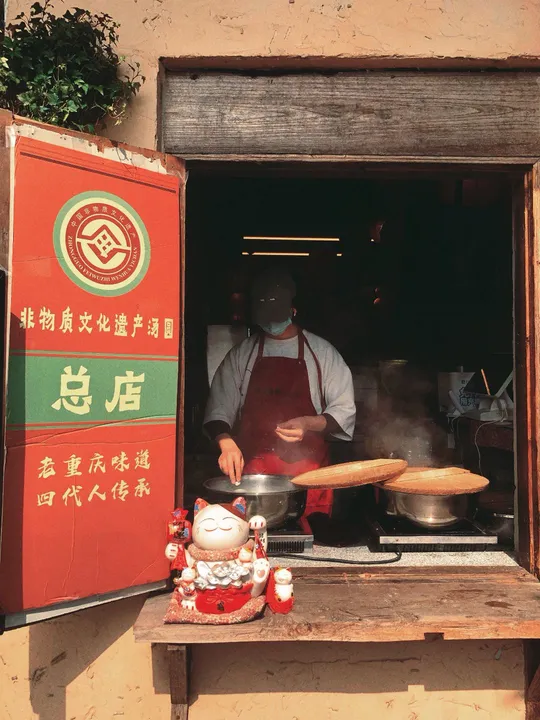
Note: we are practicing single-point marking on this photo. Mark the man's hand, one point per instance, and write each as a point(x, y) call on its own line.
point(231, 460)
point(294, 430)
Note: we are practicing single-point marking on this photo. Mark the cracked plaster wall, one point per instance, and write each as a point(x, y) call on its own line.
point(87, 667)
point(391, 30)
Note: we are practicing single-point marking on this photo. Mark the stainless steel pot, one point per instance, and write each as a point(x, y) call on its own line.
point(429, 511)
point(272, 496)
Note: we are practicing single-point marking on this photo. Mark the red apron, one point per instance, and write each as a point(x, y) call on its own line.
point(278, 391)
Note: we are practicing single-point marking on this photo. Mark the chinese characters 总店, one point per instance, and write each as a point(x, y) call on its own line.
point(75, 392)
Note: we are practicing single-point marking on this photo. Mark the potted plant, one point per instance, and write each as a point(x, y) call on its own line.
point(65, 69)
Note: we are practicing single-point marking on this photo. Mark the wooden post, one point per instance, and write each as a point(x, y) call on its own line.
point(179, 658)
point(527, 363)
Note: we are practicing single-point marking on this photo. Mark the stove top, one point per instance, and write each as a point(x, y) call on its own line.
point(295, 537)
point(388, 534)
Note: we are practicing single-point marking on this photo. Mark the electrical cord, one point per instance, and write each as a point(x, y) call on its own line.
point(504, 416)
point(395, 559)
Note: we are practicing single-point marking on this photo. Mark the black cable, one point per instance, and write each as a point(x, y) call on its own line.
point(338, 560)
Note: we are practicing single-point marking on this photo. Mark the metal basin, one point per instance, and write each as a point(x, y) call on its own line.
point(429, 511)
point(272, 496)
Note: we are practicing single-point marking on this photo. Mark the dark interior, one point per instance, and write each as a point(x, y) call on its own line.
point(422, 272)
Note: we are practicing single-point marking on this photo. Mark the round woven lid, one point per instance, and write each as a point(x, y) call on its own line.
point(365, 472)
point(437, 481)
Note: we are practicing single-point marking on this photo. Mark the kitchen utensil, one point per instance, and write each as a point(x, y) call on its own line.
point(440, 481)
point(352, 474)
point(272, 496)
point(429, 511)
point(388, 534)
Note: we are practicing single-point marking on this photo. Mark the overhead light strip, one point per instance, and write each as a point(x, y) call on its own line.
point(275, 238)
point(283, 254)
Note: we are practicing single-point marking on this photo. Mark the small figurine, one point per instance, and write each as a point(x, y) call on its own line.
point(178, 534)
point(224, 573)
point(280, 595)
point(186, 588)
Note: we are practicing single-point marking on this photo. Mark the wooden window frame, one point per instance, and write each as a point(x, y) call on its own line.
point(392, 122)
point(525, 180)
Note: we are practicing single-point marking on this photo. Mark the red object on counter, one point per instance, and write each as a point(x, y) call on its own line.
point(277, 606)
point(223, 600)
point(179, 533)
point(279, 391)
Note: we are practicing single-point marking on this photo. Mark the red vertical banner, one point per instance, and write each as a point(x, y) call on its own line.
point(91, 431)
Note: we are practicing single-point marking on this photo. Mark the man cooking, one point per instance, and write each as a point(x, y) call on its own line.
point(279, 395)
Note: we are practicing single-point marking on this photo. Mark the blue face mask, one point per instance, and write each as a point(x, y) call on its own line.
point(276, 328)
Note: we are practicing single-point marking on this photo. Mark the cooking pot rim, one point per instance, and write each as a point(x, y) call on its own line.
point(242, 491)
point(427, 495)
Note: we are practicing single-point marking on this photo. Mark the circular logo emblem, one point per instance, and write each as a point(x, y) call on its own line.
point(101, 243)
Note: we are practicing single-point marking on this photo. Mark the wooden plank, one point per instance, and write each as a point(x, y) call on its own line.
point(177, 166)
point(352, 168)
point(370, 163)
point(179, 681)
point(526, 230)
point(384, 604)
point(422, 114)
point(325, 63)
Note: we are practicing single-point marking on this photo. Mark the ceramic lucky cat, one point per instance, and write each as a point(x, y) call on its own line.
point(280, 595)
point(226, 573)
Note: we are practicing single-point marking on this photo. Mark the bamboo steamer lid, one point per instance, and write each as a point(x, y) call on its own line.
point(365, 472)
point(437, 481)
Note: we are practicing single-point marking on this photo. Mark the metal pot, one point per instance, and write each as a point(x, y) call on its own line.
point(429, 511)
point(272, 496)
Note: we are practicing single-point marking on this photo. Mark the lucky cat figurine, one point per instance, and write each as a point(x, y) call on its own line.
point(226, 572)
point(280, 595)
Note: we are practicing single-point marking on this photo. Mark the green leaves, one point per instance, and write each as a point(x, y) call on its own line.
point(65, 69)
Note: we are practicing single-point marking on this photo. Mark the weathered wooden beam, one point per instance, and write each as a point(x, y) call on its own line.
point(179, 681)
point(379, 605)
point(422, 114)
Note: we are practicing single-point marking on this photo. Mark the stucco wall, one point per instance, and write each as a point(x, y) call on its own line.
point(87, 667)
point(436, 30)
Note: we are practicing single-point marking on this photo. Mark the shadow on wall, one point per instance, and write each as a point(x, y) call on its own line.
point(354, 668)
point(87, 667)
point(63, 653)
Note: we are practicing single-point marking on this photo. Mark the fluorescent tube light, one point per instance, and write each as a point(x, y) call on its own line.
point(275, 238)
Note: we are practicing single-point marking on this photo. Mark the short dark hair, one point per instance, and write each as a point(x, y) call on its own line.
point(274, 278)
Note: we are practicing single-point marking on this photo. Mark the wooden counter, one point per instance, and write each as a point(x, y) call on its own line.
point(382, 604)
point(379, 605)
